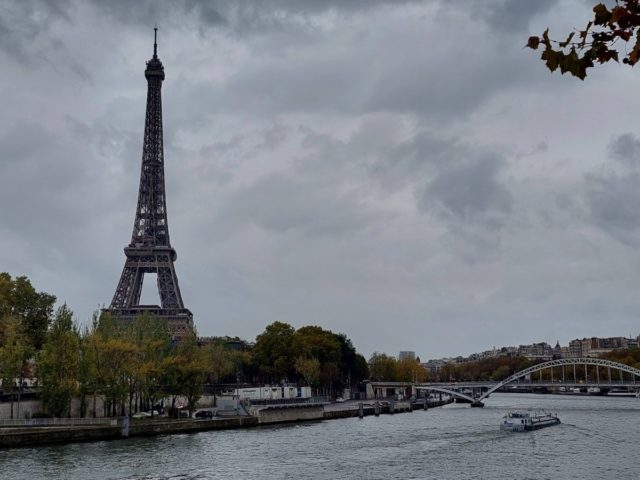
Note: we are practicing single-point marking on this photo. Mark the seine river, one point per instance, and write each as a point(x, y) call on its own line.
point(599, 438)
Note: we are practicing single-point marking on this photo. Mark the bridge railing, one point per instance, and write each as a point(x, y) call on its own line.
point(55, 422)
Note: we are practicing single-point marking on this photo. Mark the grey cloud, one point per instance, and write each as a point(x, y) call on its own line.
point(614, 203)
point(397, 73)
point(241, 16)
point(279, 203)
point(470, 193)
point(58, 172)
point(450, 179)
point(25, 25)
point(375, 160)
point(299, 82)
point(416, 158)
point(626, 149)
point(509, 15)
point(164, 12)
point(439, 87)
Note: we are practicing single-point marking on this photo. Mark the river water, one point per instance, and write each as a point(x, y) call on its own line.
point(599, 438)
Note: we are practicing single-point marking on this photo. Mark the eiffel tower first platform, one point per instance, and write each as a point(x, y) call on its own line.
point(150, 250)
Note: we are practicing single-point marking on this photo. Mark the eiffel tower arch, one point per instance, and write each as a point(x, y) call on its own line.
point(150, 250)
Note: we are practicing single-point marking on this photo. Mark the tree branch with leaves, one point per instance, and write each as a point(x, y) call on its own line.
point(598, 42)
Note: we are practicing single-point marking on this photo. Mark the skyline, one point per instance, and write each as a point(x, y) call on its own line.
point(402, 172)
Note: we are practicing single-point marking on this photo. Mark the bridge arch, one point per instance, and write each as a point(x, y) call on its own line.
point(447, 391)
point(558, 363)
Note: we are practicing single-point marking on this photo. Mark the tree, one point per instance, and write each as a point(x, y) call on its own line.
point(409, 370)
point(314, 343)
point(151, 340)
point(58, 364)
point(309, 368)
point(219, 362)
point(353, 366)
point(273, 352)
point(188, 371)
point(382, 367)
point(596, 42)
point(14, 353)
point(88, 380)
point(34, 309)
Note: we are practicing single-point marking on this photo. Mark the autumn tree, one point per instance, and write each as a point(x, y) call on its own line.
point(88, 381)
point(604, 38)
point(14, 354)
point(186, 371)
point(20, 300)
point(150, 336)
point(410, 370)
point(219, 362)
point(309, 369)
point(58, 365)
point(382, 367)
point(112, 356)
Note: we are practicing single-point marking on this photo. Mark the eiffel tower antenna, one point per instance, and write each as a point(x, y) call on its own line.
point(155, 41)
point(150, 250)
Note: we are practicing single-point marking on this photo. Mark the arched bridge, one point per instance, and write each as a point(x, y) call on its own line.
point(563, 380)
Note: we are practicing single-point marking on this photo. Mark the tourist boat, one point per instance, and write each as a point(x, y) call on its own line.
point(519, 421)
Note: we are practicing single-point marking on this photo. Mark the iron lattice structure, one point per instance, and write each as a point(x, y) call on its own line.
point(150, 250)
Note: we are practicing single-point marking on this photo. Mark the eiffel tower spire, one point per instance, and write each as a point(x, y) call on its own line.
point(150, 250)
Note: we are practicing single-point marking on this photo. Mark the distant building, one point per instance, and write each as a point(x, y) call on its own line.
point(536, 351)
point(435, 366)
point(407, 355)
point(586, 347)
point(594, 347)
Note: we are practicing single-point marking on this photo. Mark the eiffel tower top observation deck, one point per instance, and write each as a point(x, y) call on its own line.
point(150, 250)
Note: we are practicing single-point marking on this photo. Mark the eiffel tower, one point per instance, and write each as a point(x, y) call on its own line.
point(150, 250)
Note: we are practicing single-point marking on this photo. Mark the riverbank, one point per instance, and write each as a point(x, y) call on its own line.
point(28, 436)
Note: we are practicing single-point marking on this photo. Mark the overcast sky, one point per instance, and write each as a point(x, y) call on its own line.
point(402, 172)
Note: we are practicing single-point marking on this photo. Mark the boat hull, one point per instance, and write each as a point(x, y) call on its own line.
point(523, 422)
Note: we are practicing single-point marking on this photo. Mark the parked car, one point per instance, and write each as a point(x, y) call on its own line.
point(204, 414)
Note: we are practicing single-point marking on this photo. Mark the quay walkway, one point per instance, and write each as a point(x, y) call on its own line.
point(118, 428)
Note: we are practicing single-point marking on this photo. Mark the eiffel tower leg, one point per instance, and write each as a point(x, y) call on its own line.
point(129, 288)
point(168, 287)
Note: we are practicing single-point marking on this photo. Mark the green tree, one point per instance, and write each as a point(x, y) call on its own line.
point(596, 42)
point(313, 342)
point(273, 351)
point(220, 362)
point(354, 368)
point(88, 380)
point(309, 368)
point(500, 373)
point(153, 344)
point(382, 367)
point(187, 371)
point(14, 354)
point(34, 309)
point(58, 364)
point(149, 336)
